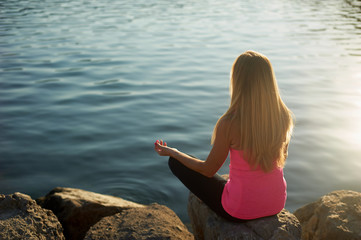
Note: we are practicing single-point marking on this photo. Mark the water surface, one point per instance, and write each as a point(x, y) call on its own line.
point(87, 87)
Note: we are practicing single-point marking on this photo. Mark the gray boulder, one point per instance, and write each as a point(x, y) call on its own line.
point(22, 218)
point(336, 215)
point(78, 210)
point(208, 225)
point(152, 222)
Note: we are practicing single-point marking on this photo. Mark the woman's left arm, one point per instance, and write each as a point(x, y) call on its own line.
point(214, 161)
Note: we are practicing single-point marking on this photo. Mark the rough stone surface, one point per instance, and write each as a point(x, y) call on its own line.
point(152, 222)
point(208, 225)
point(336, 215)
point(78, 210)
point(22, 218)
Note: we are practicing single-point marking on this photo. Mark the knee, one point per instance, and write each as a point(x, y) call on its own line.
point(172, 164)
point(175, 166)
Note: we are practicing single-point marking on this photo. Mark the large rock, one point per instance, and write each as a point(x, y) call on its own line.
point(152, 222)
point(22, 218)
point(78, 210)
point(208, 225)
point(336, 215)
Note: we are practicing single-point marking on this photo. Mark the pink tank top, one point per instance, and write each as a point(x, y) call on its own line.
point(251, 194)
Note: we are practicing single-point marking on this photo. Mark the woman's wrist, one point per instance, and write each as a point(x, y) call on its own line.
point(173, 152)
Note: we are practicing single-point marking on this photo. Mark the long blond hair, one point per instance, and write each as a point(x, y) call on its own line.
point(263, 120)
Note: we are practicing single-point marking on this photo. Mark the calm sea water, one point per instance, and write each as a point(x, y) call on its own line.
point(86, 87)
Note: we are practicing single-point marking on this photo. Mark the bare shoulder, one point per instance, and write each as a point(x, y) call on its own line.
point(223, 126)
point(231, 127)
point(224, 131)
point(225, 122)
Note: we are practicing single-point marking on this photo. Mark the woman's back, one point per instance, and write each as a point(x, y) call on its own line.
point(252, 193)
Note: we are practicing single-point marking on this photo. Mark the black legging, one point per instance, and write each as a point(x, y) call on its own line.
point(209, 190)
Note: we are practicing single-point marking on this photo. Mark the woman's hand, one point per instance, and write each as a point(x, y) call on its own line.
point(162, 149)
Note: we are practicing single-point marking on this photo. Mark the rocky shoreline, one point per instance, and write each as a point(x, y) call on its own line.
point(75, 214)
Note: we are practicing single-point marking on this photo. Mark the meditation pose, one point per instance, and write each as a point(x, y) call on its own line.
point(255, 131)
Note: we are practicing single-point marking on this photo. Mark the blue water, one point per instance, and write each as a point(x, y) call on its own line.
point(86, 87)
